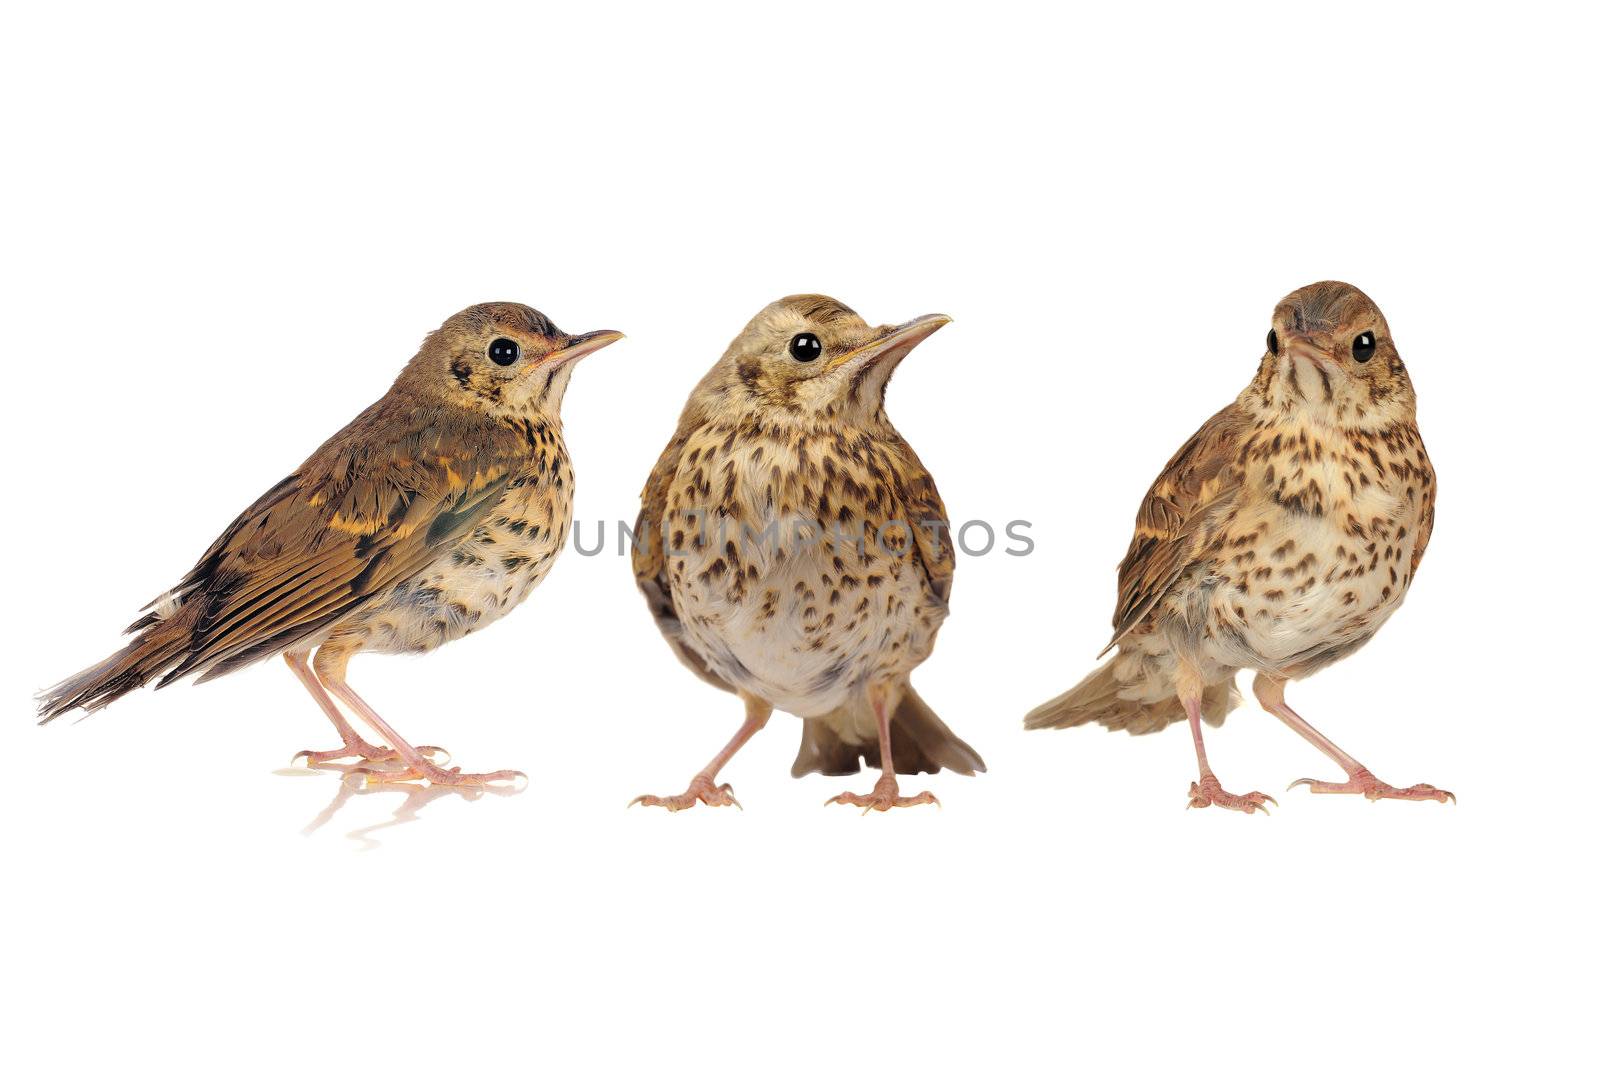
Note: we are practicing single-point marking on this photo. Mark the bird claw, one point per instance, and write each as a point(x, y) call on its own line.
point(884, 796)
point(1368, 785)
point(506, 781)
point(701, 789)
point(1208, 791)
point(363, 753)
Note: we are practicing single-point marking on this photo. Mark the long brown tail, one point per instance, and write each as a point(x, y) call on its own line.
point(157, 649)
point(1098, 698)
point(921, 742)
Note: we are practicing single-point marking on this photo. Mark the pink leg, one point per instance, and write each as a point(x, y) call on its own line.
point(886, 794)
point(1360, 780)
point(354, 744)
point(330, 672)
point(1208, 791)
point(703, 787)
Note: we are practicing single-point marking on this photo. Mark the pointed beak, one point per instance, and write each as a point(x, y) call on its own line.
point(582, 345)
point(1306, 347)
point(897, 340)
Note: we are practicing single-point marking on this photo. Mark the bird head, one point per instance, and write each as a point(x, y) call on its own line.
point(501, 359)
point(810, 356)
point(1329, 354)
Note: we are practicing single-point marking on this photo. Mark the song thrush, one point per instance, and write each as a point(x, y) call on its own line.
point(794, 550)
point(430, 516)
point(1278, 539)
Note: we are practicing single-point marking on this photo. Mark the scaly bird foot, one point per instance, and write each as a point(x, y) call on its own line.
point(1208, 791)
point(435, 775)
point(701, 789)
point(1365, 783)
point(885, 795)
point(362, 752)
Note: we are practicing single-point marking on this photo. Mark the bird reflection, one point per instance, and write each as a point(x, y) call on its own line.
point(354, 781)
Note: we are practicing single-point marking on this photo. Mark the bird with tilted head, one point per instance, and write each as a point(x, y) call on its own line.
point(430, 516)
point(794, 550)
point(1278, 540)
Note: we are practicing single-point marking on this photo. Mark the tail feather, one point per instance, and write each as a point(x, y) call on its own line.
point(1098, 698)
point(157, 649)
point(921, 742)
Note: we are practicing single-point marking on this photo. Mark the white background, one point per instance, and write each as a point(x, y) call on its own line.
point(224, 233)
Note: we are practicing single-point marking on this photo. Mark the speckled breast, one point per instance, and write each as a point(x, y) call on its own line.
point(1321, 557)
point(489, 572)
point(776, 602)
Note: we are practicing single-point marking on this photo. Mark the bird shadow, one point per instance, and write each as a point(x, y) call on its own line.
point(351, 783)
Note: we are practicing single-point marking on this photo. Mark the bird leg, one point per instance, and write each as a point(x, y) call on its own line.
point(330, 668)
point(1208, 791)
point(703, 787)
point(1360, 780)
point(886, 794)
point(354, 744)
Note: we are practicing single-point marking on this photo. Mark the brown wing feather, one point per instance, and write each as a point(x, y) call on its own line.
point(650, 550)
point(1429, 495)
point(923, 510)
point(1197, 486)
point(376, 504)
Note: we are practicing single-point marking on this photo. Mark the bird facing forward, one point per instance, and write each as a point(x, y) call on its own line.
point(1278, 539)
point(430, 516)
point(794, 550)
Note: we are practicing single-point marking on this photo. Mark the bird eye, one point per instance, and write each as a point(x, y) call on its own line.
point(805, 347)
point(504, 351)
point(1272, 341)
point(1362, 348)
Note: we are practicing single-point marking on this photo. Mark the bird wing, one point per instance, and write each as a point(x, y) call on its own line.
point(1429, 493)
point(372, 507)
point(650, 548)
point(922, 509)
point(1195, 490)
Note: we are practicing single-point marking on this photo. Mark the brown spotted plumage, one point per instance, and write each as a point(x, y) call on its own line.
point(793, 549)
point(1278, 539)
point(430, 516)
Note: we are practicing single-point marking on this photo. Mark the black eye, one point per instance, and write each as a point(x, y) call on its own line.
point(1272, 341)
point(504, 351)
point(1362, 348)
point(805, 347)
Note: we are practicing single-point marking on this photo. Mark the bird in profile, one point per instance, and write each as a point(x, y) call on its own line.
point(430, 516)
point(794, 550)
point(1278, 540)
